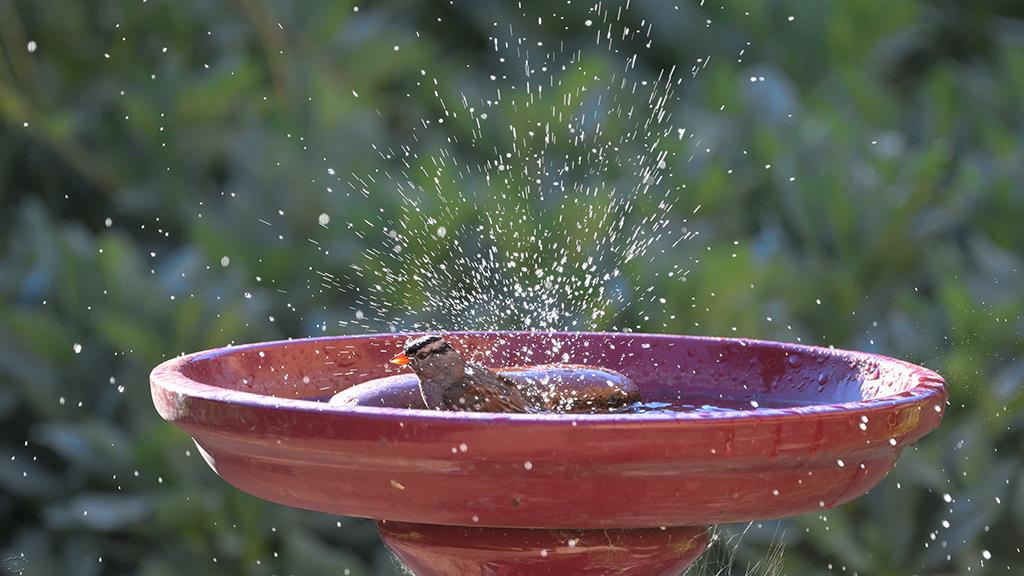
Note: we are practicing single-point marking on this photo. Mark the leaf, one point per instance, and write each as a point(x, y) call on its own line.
point(99, 512)
point(24, 477)
point(128, 332)
point(93, 444)
point(305, 554)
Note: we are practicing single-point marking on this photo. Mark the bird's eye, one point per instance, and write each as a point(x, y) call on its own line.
point(421, 355)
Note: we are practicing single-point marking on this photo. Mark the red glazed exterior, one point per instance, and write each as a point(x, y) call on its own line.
point(245, 407)
point(462, 551)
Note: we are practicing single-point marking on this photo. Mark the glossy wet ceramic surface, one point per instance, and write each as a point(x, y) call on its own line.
point(250, 411)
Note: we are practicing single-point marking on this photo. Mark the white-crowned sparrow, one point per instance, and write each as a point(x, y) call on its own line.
point(448, 382)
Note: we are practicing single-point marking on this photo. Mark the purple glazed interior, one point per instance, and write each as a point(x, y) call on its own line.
point(840, 421)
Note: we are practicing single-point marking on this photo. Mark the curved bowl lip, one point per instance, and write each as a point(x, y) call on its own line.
point(928, 385)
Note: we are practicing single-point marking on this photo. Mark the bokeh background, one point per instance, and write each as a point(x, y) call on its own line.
point(142, 141)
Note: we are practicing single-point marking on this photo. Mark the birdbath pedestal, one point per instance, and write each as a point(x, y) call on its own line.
point(474, 494)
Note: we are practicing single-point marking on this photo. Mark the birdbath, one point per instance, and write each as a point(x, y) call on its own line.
point(797, 429)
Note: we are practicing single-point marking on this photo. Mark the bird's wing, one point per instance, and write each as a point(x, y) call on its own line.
point(484, 391)
point(457, 397)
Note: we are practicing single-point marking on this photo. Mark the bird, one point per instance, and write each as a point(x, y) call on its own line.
point(449, 382)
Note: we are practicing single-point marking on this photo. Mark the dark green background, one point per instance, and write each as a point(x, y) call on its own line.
point(906, 222)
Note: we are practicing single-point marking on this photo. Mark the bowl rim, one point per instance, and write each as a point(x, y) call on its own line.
point(928, 385)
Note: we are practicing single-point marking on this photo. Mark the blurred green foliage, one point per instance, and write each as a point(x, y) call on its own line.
point(900, 232)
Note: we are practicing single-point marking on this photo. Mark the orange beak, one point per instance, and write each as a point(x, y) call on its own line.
point(400, 359)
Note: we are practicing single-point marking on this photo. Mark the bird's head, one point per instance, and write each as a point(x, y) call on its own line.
point(432, 357)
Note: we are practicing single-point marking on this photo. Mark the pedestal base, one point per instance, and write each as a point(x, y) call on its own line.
point(465, 551)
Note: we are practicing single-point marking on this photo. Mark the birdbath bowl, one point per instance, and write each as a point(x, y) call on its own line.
point(796, 429)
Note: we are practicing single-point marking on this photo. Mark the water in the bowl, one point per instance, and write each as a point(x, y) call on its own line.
point(698, 404)
point(707, 404)
point(684, 403)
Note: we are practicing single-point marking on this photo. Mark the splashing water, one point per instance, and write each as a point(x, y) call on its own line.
point(723, 556)
point(499, 243)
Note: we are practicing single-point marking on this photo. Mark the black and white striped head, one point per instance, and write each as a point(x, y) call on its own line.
point(423, 348)
point(437, 364)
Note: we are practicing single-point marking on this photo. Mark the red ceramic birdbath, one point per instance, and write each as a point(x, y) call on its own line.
point(499, 494)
